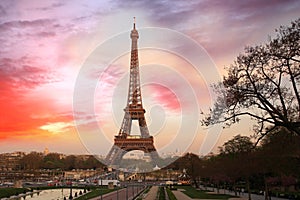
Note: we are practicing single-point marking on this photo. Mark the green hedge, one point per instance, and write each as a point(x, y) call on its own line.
point(95, 193)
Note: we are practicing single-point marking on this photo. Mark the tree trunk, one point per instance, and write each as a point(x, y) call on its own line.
point(195, 182)
point(234, 188)
point(266, 194)
point(248, 189)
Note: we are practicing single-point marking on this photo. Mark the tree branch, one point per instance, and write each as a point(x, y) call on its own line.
point(249, 114)
point(263, 135)
point(294, 87)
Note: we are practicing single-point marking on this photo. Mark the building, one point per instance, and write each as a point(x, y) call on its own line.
point(46, 151)
point(10, 161)
point(137, 155)
point(79, 174)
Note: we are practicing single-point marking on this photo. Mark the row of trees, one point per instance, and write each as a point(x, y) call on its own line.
point(275, 164)
point(36, 160)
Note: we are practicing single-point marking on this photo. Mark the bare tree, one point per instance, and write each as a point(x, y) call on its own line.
point(263, 83)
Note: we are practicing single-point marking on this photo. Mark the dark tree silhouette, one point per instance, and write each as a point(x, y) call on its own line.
point(31, 161)
point(263, 83)
point(278, 158)
point(52, 161)
point(237, 159)
point(280, 153)
point(191, 163)
point(70, 162)
point(238, 145)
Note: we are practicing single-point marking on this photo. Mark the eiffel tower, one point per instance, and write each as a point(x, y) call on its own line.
point(124, 141)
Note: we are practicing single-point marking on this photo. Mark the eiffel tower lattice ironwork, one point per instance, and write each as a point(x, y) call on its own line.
point(124, 142)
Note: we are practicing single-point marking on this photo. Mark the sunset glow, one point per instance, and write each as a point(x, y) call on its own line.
point(45, 44)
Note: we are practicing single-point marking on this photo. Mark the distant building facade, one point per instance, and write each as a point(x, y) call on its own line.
point(10, 161)
point(79, 174)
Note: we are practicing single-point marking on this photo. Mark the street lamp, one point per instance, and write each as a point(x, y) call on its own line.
point(117, 193)
point(133, 189)
point(71, 197)
point(126, 192)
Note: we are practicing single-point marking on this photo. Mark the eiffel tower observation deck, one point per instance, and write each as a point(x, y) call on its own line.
point(124, 141)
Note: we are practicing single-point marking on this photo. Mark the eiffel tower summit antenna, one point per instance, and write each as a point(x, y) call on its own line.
point(124, 141)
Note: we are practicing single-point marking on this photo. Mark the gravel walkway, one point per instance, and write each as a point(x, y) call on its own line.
point(151, 195)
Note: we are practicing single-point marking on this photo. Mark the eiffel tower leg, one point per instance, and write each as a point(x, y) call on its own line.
point(154, 155)
point(110, 155)
point(114, 156)
point(118, 158)
point(143, 127)
point(126, 125)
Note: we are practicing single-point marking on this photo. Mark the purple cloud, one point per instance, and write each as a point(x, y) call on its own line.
point(22, 74)
point(24, 24)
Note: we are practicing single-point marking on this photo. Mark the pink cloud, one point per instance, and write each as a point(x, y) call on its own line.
point(166, 97)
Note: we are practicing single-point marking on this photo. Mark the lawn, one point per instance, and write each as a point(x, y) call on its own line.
point(162, 195)
point(7, 192)
point(193, 193)
point(170, 194)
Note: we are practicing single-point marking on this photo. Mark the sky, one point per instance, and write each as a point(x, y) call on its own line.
point(64, 69)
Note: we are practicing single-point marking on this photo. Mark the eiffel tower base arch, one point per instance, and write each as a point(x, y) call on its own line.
point(124, 145)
